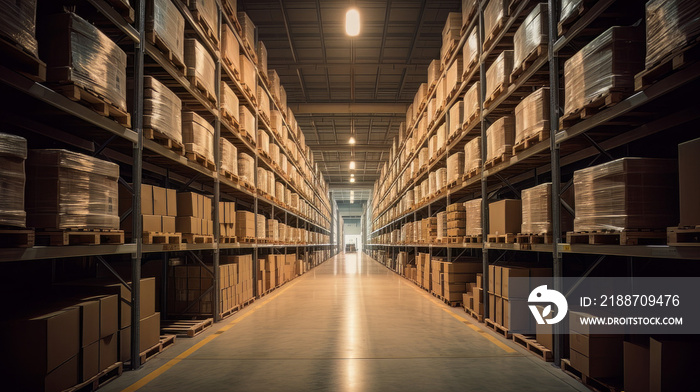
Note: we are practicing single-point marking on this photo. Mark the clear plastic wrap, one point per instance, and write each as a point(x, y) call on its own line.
point(200, 64)
point(531, 34)
point(499, 72)
point(283, 101)
point(472, 155)
point(471, 103)
point(441, 225)
point(468, 7)
point(537, 209)
point(431, 112)
point(422, 128)
point(439, 97)
point(425, 188)
point(247, 73)
point(473, 210)
point(433, 72)
point(441, 137)
point(165, 20)
point(274, 152)
point(230, 50)
point(470, 51)
point(607, 63)
point(440, 179)
point(248, 29)
point(18, 22)
point(229, 156)
point(450, 33)
point(568, 8)
point(532, 115)
point(263, 103)
point(246, 119)
point(263, 141)
point(246, 165)
point(432, 147)
point(262, 182)
point(76, 51)
point(495, 13)
point(423, 158)
point(409, 115)
point(274, 83)
point(627, 193)
point(262, 58)
point(418, 193)
point(207, 11)
point(455, 167)
point(271, 183)
point(162, 109)
point(279, 190)
point(499, 137)
point(71, 190)
point(229, 101)
point(420, 96)
point(432, 183)
point(198, 135)
point(260, 223)
point(453, 77)
point(671, 24)
point(456, 118)
point(273, 228)
point(13, 154)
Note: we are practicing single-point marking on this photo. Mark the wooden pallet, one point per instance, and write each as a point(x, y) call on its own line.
point(468, 68)
point(124, 9)
point(93, 101)
point(185, 328)
point(161, 138)
point(197, 84)
point(230, 119)
point(494, 32)
point(449, 52)
point(22, 61)
point(683, 236)
point(625, 237)
point(62, 237)
point(501, 238)
point(500, 89)
point(564, 25)
point(166, 341)
point(150, 237)
point(539, 136)
point(531, 345)
point(247, 240)
point(16, 238)
point(197, 157)
point(677, 59)
point(473, 239)
point(206, 29)
point(498, 328)
point(452, 304)
point(100, 379)
point(504, 157)
point(189, 238)
point(472, 173)
point(593, 107)
point(226, 174)
point(228, 240)
point(597, 385)
point(531, 58)
point(454, 240)
point(178, 63)
point(229, 312)
point(533, 239)
point(477, 316)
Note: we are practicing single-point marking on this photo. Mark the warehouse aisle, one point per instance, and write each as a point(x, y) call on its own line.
point(348, 325)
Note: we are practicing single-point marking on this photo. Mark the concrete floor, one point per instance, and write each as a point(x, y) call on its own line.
point(348, 325)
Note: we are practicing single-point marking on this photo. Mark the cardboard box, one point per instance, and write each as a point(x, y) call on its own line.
point(89, 360)
point(245, 224)
point(61, 378)
point(126, 199)
point(168, 224)
point(149, 334)
point(671, 364)
point(171, 201)
point(109, 351)
point(493, 270)
point(151, 223)
point(636, 367)
point(505, 217)
point(188, 224)
point(109, 315)
point(160, 201)
point(498, 280)
point(498, 318)
point(688, 168)
point(188, 204)
point(89, 322)
point(544, 333)
point(597, 367)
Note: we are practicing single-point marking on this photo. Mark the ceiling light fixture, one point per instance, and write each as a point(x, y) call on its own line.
point(352, 179)
point(352, 175)
point(352, 22)
point(352, 140)
point(352, 165)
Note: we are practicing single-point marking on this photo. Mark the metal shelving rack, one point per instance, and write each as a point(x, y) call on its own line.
point(590, 138)
point(83, 129)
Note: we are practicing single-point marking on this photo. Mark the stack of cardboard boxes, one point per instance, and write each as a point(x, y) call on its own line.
point(239, 290)
point(194, 214)
point(227, 219)
point(505, 217)
point(456, 220)
point(504, 302)
point(245, 225)
point(473, 298)
point(592, 353)
point(455, 277)
point(158, 209)
point(428, 230)
point(191, 289)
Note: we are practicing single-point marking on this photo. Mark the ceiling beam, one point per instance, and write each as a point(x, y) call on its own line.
point(348, 108)
point(346, 185)
point(323, 147)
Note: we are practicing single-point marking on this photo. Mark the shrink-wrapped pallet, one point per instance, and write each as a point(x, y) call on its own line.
point(283, 164)
point(453, 77)
point(283, 99)
point(70, 190)
point(230, 50)
point(537, 209)
point(441, 136)
point(607, 64)
point(440, 179)
point(470, 51)
point(409, 116)
point(262, 58)
point(207, 12)
point(198, 135)
point(531, 34)
point(432, 147)
point(472, 155)
point(18, 23)
point(471, 103)
point(274, 79)
point(76, 51)
point(263, 103)
point(422, 128)
point(431, 111)
point(495, 14)
point(473, 210)
point(229, 156)
point(164, 20)
point(450, 34)
point(432, 183)
point(229, 102)
point(420, 96)
point(433, 72)
point(441, 225)
point(262, 182)
point(162, 109)
point(456, 118)
point(455, 167)
point(246, 167)
point(260, 223)
point(13, 154)
point(423, 157)
point(670, 24)
point(418, 193)
point(200, 65)
point(439, 97)
point(627, 193)
point(271, 183)
point(279, 190)
point(246, 120)
point(499, 137)
point(248, 27)
point(532, 116)
point(425, 188)
point(498, 74)
point(247, 71)
point(274, 152)
point(568, 8)
point(468, 8)
point(273, 228)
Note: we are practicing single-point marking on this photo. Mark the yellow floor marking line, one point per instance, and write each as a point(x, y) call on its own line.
point(154, 374)
point(492, 339)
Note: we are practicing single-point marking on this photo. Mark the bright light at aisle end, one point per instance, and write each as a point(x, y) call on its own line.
point(352, 165)
point(352, 140)
point(352, 22)
point(352, 179)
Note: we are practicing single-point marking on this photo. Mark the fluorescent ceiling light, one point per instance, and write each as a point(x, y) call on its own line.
point(352, 165)
point(352, 175)
point(352, 22)
point(352, 180)
point(352, 140)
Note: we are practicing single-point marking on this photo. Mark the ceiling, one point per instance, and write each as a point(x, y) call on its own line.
point(319, 64)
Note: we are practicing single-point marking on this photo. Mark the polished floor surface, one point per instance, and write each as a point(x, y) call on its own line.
point(348, 325)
